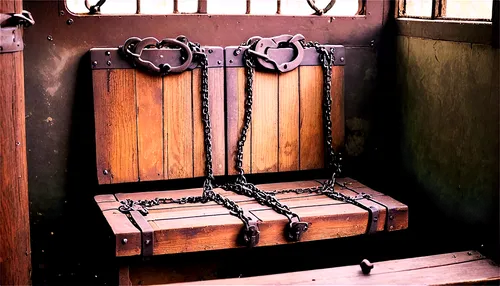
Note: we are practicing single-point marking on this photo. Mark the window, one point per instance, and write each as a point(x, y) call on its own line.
point(229, 7)
point(447, 9)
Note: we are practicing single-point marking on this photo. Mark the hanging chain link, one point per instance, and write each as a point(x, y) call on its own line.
point(250, 235)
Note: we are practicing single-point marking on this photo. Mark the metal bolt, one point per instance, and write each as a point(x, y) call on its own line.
point(469, 253)
point(105, 172)
point(94, 63)
point(230, 61)
point(61, 13)
point(70, 21)
point(210, 51)
point(49, 37)
point(391, 217)
point(237, 52)
point(124, 241)
point(108, 63)
point(18, 143)
point(219, 62)
point(147, 241)
point(342, 59)
point(375, 219)
point(391, 227)
point(108, 53)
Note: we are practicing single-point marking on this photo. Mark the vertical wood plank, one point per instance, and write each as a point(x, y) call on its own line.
point(265, 123)
point(149, 126)
point(337, 115)
point(178, 122)
point(116, 125)
point(216, 110)
point(235, 94)
point(289, 121)
point(15, 252)
point(217, 116)
point(311, 131)
point(198, 145)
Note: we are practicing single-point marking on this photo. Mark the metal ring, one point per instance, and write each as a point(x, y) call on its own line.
point(261, 51)
point(312, 4)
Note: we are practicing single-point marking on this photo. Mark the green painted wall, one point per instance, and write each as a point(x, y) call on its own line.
point(449, 94)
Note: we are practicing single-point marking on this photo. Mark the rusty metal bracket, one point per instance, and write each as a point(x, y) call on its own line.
point(147, 237)
point(11, 26)
point(234, 55)
point(109, 58)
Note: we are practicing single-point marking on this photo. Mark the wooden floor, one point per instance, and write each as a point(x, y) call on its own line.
point(200, 227)
point(468, 267)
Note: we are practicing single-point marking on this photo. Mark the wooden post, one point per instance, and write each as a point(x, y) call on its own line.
point(15, 252)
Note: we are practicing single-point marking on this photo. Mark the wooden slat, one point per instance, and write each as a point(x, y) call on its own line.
point(198, 144)
point(235, 86)
point(247, 157)
point(217, 117)
point(264, 149)
point(149, 126)
point(444, 269)
point(311, 131)
point(289, 121)
point(177, 105)
point(116, 125)
point(337, 115)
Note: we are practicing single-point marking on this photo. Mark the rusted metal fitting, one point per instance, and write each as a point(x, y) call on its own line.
point(251, 234)
point(296, 229)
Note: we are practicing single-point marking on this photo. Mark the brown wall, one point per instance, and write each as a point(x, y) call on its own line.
point(449, 94)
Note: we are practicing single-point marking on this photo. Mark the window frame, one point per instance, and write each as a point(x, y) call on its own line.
point(439, 27)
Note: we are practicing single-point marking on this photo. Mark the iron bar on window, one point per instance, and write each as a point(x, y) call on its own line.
point(202, 6)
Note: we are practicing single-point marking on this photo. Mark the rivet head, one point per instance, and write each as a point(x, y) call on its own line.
point(469, 253)
point(49, 37)
point(342, 59)
point(391, 227)
point(18, 143)
point(105, 172)
point(391, 217)
point(94, 63)
point(124, 241)
point(147, 241)
point(61, 13)
point(230, 61)
point(375, 219)
point(210, 51)
point(108, 53)
point(70, 21)
point(237, 52)
point(219, 62)
point(108, 63)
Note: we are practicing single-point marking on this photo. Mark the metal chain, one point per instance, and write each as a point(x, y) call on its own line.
point(251, 231)
point(295, 227)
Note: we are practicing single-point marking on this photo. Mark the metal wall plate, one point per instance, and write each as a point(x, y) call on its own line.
point(11, 39)
point(109, 58)
point(234, 55)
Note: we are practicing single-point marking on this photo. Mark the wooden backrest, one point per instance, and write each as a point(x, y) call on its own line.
point(149, 127)
point(286, 133)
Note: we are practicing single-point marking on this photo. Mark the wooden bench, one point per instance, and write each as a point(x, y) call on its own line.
point(149, 127)
point(460, 268)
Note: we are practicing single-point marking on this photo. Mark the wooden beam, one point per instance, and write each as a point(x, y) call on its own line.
point(15, 252)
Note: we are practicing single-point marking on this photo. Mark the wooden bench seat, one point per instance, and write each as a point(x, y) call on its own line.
point(467, 267)
point(198, 227)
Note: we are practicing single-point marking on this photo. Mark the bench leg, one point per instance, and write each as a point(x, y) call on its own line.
point(124, 275)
